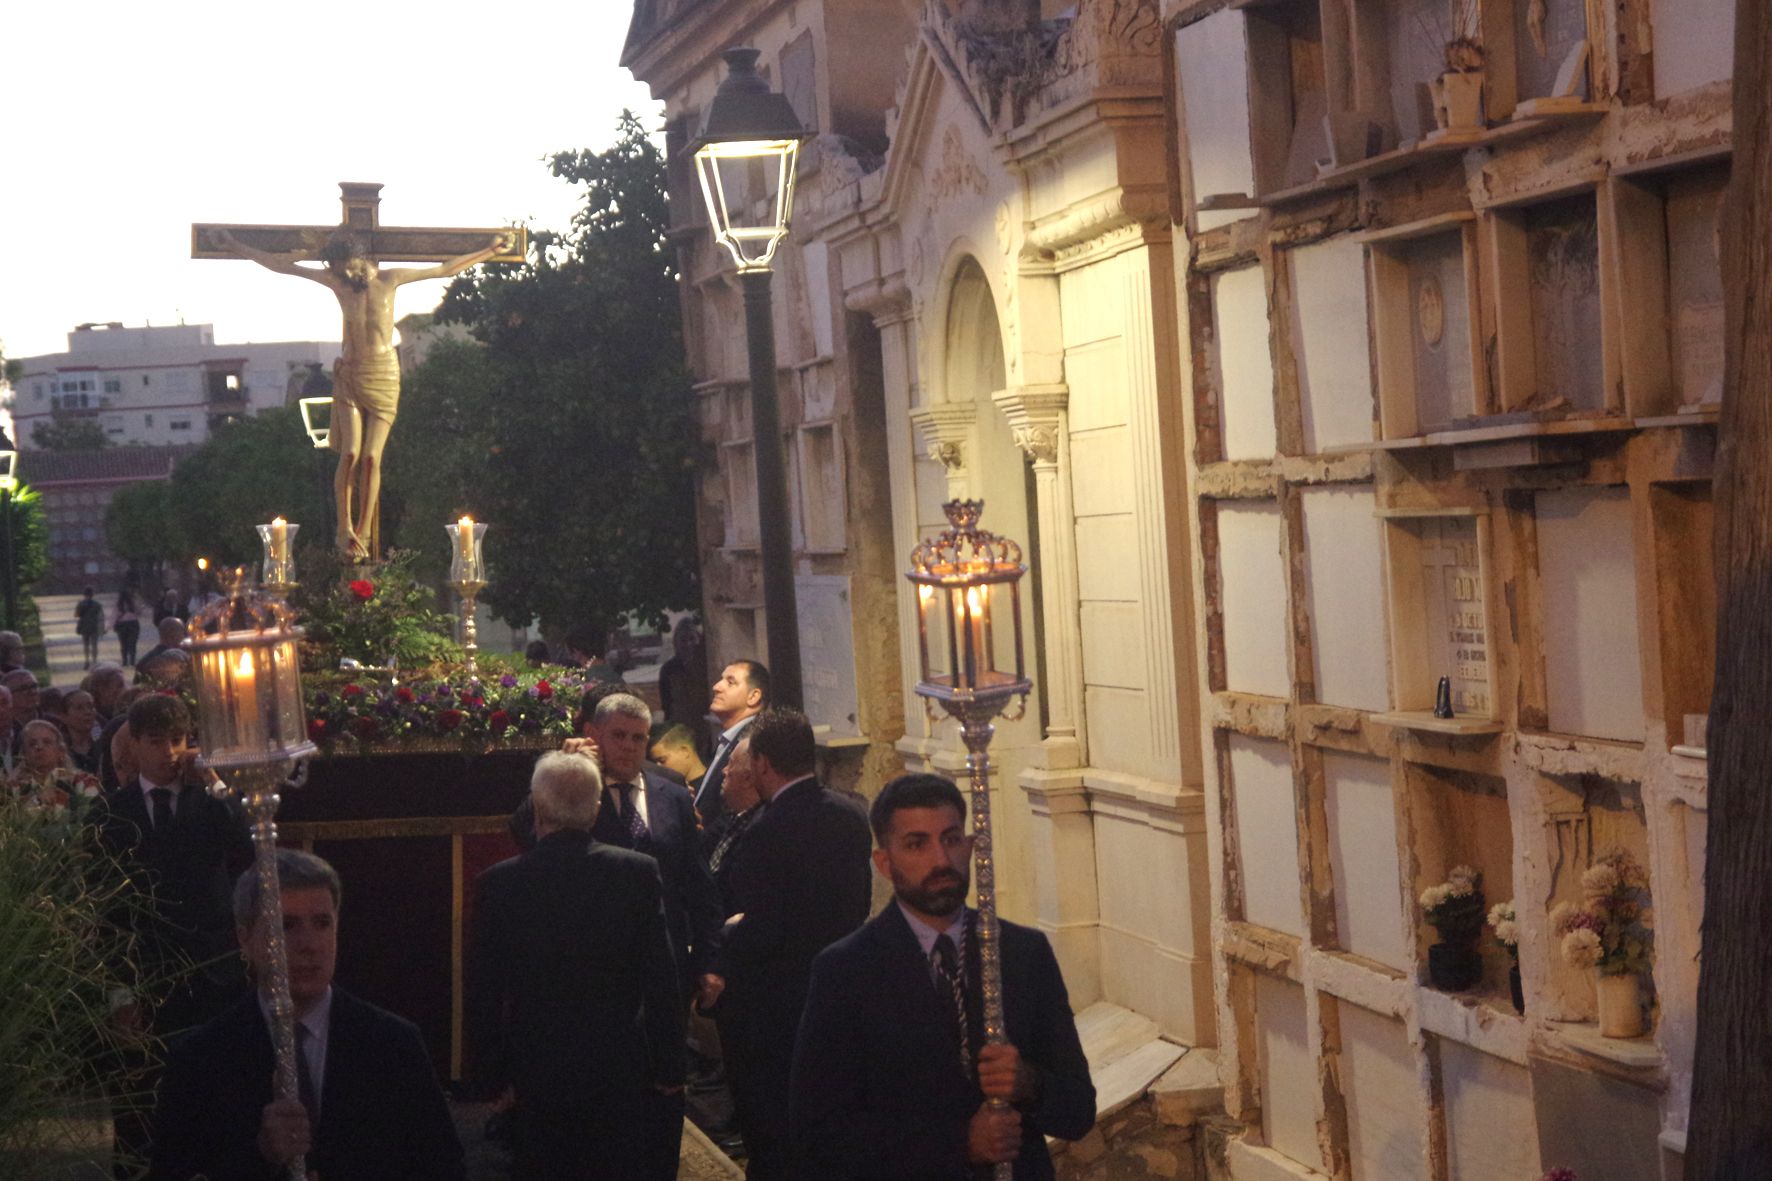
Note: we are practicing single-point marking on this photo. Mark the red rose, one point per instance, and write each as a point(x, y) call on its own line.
point(499, 721)
point(365, 728)
point(317, 729)
point(402, 693)
point(472, 700)
point(351, 690)
point(363, 589)
point(543, 690)
point(449, 719)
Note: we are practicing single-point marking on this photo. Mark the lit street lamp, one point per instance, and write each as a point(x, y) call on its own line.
point(746, 157)
point(961, 574)
point(8, 482)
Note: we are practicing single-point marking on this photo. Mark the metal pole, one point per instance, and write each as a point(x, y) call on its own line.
point(258, 792)
point(976, 730)
point(11, 574)
point(776, 541)
point(470, 628)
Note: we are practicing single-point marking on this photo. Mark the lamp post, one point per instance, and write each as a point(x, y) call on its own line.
point(746, 157)
point(249, 718)
point(958, 574)
point(8, 482)
point(467, 574)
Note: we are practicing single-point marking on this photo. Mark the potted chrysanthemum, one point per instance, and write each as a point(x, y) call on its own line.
point(1607, 933)
point(1507, 933)
point(1455, 910)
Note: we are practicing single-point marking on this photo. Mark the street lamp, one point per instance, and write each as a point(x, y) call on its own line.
point(316, 419)
point(8, 482)
point(249, 716)
point(746, 157)
point(961, 574)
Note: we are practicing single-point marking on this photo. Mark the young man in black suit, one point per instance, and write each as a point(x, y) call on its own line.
point(370, 1108)
point(573, 1009)
point(891, 1076)
point(179, 847)
point(800, 883)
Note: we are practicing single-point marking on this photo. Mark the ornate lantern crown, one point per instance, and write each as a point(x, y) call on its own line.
point(248, 677)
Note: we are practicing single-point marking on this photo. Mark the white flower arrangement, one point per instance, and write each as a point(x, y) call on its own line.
point(1505, 926)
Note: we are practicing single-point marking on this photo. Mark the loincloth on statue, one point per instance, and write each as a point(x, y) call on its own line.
point(370, 384)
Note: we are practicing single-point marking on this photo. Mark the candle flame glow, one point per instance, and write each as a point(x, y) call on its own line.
point(244, 667)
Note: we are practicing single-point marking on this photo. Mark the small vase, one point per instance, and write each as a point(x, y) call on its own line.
point(1514, 989)
point(1458, 100)
point(1454, 967)
point(1621, 1010)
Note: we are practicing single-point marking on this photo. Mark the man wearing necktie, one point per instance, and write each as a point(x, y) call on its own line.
point(369, 1107)
point(178, 846)
point(738, 697)
point(891, 1076)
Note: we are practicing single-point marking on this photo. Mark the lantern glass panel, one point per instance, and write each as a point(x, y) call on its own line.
point(467, 538)
point(749, 189)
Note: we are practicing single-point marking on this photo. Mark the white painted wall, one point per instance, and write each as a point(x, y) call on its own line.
point(1252, 570)
point(1491, 1131)
point(1343, 552)
point(1385, 1120)
point(1267, 833)
point(1587, 575)
point(1331, 339)
point(1245, 364)
point(1362, 817)
point(1288, 1071)
point(1694, 43)
point(1212, 62)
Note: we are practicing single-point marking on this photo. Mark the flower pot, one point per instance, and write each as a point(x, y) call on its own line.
point(1454, 967)
point(1621, 1009)
point(1458, 100)
point(1514, 989)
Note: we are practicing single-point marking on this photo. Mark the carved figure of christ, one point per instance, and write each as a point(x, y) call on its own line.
point(366, 382)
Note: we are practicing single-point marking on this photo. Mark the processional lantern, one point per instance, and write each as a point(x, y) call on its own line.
point(966, 579)
point(746, 156)
point(316, 419)
point(244, 653)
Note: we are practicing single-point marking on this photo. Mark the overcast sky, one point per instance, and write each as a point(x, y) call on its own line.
point(125, 122)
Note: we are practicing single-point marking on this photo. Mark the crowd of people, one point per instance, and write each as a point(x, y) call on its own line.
point(689, 903)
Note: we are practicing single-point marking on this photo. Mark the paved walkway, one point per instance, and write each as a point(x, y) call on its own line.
point(62, 644)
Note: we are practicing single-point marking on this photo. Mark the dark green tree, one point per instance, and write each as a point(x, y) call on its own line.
point(578, 434)
point(142, 529)
point(67, 432)
point(248, 472)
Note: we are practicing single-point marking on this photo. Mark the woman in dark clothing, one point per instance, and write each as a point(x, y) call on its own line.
point(128, 625)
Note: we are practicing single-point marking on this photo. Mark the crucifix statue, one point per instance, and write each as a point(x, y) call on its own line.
point(366, 383)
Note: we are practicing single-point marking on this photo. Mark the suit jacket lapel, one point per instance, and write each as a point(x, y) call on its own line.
point(909, 967)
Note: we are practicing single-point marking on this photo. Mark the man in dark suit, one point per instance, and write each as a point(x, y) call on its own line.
point(178, 846)
point(369, 1106)
point(800, 883)
point(891, 1075)
point(738, 697)
point(649, 813)
point(573, 1007)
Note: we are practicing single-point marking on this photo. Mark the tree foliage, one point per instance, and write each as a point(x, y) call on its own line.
point(249, 471)
point(574, 430)
point(68, 432)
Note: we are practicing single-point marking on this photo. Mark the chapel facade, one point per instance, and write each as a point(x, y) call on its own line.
point(1315, 351)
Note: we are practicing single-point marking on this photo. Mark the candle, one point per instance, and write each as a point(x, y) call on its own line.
point(279, 540)
point(977, 623)
point(464, 545)
point(246, 701)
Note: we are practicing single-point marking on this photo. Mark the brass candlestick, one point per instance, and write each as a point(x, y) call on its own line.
point(467, 574)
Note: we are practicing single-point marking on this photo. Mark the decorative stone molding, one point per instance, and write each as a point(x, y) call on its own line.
point(945, 428)
point(1035, 416)
point(1121, 211)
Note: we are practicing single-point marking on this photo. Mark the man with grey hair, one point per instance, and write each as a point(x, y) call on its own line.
point(573, 1010)
point(646, 812)
point(369, 1104)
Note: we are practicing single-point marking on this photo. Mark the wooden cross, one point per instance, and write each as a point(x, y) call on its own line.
point(362, 223)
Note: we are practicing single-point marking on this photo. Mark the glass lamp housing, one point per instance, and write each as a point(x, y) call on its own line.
point(8, 470)
point(316, 419)
point(746, 157)
point(466, 537)
point(248, 681)
point(278, 540)
point(966, 578)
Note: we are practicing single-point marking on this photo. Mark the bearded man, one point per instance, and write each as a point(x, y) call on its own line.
point(891, 1076)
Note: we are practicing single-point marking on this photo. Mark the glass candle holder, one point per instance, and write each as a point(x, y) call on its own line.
point(278, 540)
point(466, 537)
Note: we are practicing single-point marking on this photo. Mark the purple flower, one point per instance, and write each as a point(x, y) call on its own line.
point(322, 698)
point(528, 725)
point(387, 707)
point(444, 692)
point(508, 681)
point(532, 691)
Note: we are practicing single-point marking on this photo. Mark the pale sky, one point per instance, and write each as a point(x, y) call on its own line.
point(125, 122)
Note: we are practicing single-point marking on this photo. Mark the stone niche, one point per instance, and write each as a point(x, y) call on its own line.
point(1331, 341)
point(1585, 815)
point(1438, 568)
point(1252, 598)
point(1545, 34)
point(1267, 833)
point(1424, 292)
point(1289, 1099)
point(1361, 811)
point(1461, 818)
point(1547, 278)
point(1382, 1090)
point(1490, 1120)
point(1245, 363)
point(1345, 559)
point(1588, 588)
point(1399, 49)
point(1687, 605)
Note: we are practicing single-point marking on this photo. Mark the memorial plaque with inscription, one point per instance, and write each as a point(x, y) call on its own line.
point(1457, 643)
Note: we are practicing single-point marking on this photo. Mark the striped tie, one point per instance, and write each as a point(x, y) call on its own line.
point(946, 962)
